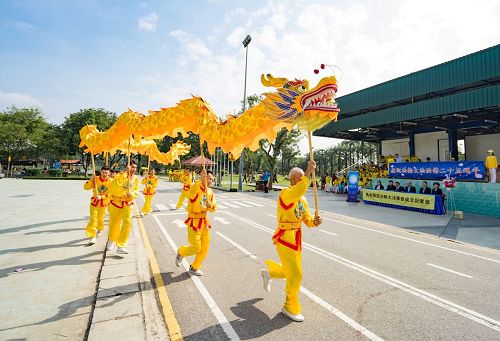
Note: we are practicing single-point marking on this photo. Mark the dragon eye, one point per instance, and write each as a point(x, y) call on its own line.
point(302, 88)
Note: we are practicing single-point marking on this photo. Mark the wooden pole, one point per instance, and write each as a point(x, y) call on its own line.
point(93, 174)
point(149, 162)
point(202, 160)
point(106, 158)
point(128, 167)
point(315, 189)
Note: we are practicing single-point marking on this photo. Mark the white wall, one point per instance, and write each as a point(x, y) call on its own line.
point(426, 145)
point(476, 146)
point(399, 146)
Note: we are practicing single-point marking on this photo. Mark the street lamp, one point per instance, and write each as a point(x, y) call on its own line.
point(246, 42)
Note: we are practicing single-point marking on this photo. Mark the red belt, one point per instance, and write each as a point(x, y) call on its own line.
point(97, 202)
point(186, 187)
point(298, 239)
point(190, 222)
point(123, 204)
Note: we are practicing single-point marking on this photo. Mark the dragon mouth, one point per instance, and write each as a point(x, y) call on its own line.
point(321, 99)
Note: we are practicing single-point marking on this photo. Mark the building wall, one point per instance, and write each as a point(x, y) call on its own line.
point(399, 146)
point(477, 146)
point(426, 145)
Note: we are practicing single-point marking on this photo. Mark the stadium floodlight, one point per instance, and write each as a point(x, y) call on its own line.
point(245, 42)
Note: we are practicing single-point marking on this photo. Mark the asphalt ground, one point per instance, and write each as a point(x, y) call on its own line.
point(365, 275)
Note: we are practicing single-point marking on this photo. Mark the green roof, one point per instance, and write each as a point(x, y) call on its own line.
point(464, 84)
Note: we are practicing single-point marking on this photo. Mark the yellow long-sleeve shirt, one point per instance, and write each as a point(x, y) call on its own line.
point(122, 191)
point(200, 201)
point(151, 182)
point(187, 181)
point(292, 211)
point(491, 162)
point(100, 188)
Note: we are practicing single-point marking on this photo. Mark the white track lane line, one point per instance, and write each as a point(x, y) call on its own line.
point(161, 207)
point(231, 205)
point(449, 270)
point(219, 315)
point(220, 205)
point(414, 240)
point(271, 215)
point(241, 203)
point(330, 233)
point(427, 296)
point(252, 203)
point(353, 324)
point(239, 247)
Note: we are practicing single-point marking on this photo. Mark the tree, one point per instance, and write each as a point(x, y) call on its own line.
point(273, 150)
point(103, 119)
point(25, 133)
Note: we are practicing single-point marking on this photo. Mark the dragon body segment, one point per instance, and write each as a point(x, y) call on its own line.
point(292, 104)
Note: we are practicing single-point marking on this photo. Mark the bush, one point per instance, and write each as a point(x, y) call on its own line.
point(33, 171)
point(55, 172)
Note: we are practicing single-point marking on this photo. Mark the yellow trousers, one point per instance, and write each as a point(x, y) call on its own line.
point(120, 223)
point(96, 221)
point(147, 204)
point(184, 195)
point(199, 243)
point(290, 269)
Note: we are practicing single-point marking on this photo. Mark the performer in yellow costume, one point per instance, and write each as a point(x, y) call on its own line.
point(186, 182)
point(98, 203)
point(151, 181)
point(292, 211)
point(124, 189)
point(201, 200)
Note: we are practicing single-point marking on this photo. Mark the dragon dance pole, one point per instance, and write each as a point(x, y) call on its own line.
point(149, 161)
point(128, 167)
point(106, 158)
point(203, 160)
point(315, 189)
point(93, 173)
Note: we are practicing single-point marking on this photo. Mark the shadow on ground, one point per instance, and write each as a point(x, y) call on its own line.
point(251, 323)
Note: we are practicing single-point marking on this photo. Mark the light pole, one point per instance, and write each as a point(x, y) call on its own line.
point(246, 42)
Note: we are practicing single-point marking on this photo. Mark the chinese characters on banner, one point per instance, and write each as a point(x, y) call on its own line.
point(460, 170)
point(423, 201)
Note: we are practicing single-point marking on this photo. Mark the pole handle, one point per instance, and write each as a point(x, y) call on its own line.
point(315, 189)
point(93, 173)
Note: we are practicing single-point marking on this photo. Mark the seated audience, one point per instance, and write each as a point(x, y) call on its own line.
point(409, 188)
point(424, 189)
point(390, 186)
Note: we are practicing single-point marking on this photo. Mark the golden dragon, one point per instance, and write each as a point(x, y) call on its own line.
point(292, 104)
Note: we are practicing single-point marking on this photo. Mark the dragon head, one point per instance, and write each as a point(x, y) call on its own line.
point(293, 101)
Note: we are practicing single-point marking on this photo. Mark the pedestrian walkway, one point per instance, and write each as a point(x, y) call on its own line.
point(55, 286)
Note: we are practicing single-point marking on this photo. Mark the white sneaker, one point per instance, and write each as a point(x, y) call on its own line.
point(178, 260)
point(122, 250)
point(142, 214)
point(266, 279)
point(99, 233)
point(195, 272)
point(92, 241)
point(296, 318)
point(110, 245)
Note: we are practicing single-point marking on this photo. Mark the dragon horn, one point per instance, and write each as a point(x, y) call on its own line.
point(269, 80)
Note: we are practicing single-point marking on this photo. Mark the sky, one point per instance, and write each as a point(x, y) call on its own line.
point(63, 56)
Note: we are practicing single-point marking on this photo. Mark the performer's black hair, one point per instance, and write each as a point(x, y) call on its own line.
point(104, 168)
